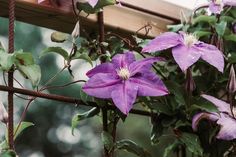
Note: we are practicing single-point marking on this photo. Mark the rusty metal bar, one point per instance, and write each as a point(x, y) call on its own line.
point(60, 98)
point(10, 75)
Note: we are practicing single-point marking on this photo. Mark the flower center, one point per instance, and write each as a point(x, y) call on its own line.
point(218, 2)
point(123, 73)
point(190, 39)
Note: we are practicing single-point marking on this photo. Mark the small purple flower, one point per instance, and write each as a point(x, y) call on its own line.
point(224, 118)
point(186, 49)
point(123, 80)
point(217, 6)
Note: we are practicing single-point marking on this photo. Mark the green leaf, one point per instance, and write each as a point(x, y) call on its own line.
point(32, 72)
point(231, 37)
point(6, 60)
point(206, 106)
point(175, 28)
point(220, 28)
point(170, 148)
point(83, 56)
point(1, 46)
point(57, 50)
point(192, 143)
point(59, 37)
point(8, 153)
point(107, 140)
point(204, 19)
point(23, 126)
point(232, 58)
point(176, 89)
point(156, 133)
point(90, 10)
point(80, 116)
point(24, 58)
point(132, 147)
point(200, 34)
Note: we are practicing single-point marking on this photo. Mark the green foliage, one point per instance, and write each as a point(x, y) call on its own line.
point(59, 37)
point(132, 147)
point(192, 143)
point(206, 19)
point(171, 148)
point(6, 60)
point(8, 153)
point(90, 10)
point(220, 28)
point(81, 116)
point(17, 131)
point(107, 140)
point(32, 72)
point(57, 50)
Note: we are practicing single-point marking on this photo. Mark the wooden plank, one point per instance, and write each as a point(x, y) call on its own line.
point(118, 19)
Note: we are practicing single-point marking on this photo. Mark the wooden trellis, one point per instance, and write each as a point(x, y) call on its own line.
point(29, 11)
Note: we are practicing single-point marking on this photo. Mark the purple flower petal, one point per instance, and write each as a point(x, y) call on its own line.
point(124, 96)
point(212, 55)
point(102, 68)
point(149, 84)
point(123, 60)
point(203, 115)
point(229, 2)
point(221, 105)
point(228, 129)
point(143, 65)
point(214, 8)
point(185, 56)
point(93, 3)
point(162, 42)
point(101, 85)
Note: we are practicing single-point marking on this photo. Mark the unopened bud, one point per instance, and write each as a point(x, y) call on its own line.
point(189, 84)
point(234, 28)
point(3, 114)
point(231, 86)
point(76, 31)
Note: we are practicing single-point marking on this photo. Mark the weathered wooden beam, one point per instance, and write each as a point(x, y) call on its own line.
point(122, 20)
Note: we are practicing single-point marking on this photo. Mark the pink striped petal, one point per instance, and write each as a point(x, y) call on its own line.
point(185, 56)
point(163, 42)
point(124, 96)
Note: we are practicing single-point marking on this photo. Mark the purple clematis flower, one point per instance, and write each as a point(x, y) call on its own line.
point(186, 49)
point(225, 118)
point(123, 80)
point(217, 6)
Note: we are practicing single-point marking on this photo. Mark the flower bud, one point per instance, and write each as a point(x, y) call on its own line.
point(189, 84)
point(231, 86)
point(76, 31)
point(3, 114)
point(234, 28)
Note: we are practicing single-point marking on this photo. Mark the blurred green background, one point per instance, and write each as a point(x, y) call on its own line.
point(51, 136)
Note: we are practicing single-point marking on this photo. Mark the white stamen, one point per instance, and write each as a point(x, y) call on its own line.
point(190, 39)
point(218, 2)
point(123, 73)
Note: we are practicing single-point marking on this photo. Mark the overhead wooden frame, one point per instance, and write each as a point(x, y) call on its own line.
point(123, 20)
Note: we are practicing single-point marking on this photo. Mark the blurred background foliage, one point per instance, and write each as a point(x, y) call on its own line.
point(51, 136)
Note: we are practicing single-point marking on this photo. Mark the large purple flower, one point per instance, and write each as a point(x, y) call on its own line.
point(123, 80)
point(224, 118)
point(186, 49)
point(217, 6)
